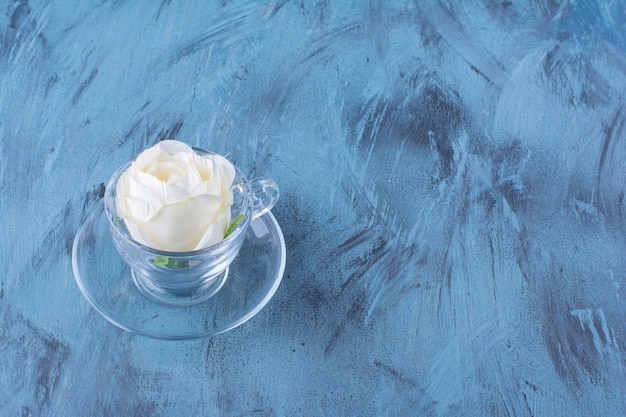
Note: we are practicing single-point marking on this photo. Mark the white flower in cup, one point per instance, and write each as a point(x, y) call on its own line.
point(175, 200)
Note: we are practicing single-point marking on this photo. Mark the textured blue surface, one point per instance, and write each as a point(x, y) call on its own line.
point(453, 180)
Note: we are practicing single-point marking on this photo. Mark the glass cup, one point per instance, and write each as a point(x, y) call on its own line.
point(187, 278)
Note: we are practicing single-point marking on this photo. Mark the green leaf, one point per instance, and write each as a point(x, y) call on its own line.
point(169, 262)
point(232, 225)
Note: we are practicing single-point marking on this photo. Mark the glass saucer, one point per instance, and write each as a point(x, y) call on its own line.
point(106, 282)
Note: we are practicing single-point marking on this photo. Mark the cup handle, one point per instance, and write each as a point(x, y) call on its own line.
point(265, 194)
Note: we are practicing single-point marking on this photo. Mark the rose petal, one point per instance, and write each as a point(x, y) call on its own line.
point(204, 165)
point(226, 168)
point(190, 178)
point(180, 226)
point(122, 189)
point(219, 180)
point(167, 171)
point(173, 147)
point(215, 233)
point(148, 187)
point(136, 234)
point(138, 210)
point(146, 158)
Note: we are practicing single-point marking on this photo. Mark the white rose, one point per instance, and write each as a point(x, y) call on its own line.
point(175, 200)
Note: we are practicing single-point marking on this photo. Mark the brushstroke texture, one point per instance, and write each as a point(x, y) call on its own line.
point(453, 191)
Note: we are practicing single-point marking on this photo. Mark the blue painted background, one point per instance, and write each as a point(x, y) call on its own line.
point(453, 180)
